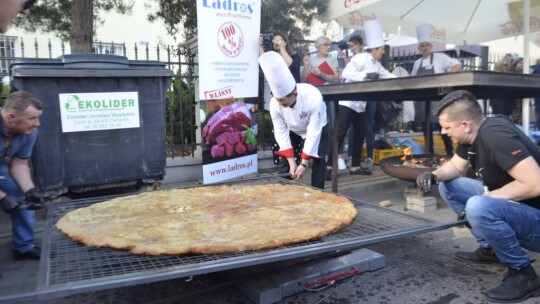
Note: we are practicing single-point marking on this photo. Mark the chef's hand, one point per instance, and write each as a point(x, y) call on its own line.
point(9, 204)
point(292, 171)
point(372, 76)
point(34, 199)
point(300, 171)
point(463, 216)
point(425, 180)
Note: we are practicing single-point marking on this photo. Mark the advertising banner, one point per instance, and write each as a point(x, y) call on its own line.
point(99, 111)
point(228, 35)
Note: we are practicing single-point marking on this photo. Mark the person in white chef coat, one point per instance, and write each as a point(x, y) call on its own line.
point(300, 122)
point(431, 63)
point(363, 67)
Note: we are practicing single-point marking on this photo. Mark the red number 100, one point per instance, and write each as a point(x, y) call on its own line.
point(228, 31)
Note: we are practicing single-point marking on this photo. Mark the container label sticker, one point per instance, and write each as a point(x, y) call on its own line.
point(99, 111)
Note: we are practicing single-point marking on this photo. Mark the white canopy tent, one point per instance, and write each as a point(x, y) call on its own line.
point(454, 21)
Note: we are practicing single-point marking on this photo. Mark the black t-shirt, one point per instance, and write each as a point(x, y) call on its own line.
point(498, 146)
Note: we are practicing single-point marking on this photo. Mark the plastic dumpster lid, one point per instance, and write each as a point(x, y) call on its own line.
point(88, 65)
point(108, 61)
point(95, 61)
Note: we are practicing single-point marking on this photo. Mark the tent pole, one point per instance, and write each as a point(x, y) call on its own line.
point(526, 64)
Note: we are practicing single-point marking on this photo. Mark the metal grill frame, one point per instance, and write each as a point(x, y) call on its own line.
point(67, 267)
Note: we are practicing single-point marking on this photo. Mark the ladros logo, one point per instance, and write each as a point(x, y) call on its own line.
point(229, 5)
point(71, 103)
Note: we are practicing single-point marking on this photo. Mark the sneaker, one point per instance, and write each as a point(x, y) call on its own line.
point(517, 286)
point(32, 254)
point(348, 163)
point(368, 163)
point(481, 255)
point(341, 164)
point(360, 171)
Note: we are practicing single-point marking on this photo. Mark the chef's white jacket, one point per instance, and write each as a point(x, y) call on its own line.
point(306, 119)
point(356, 70)
point(442, 63)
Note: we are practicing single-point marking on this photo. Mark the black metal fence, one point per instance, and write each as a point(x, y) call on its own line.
point(182, 129)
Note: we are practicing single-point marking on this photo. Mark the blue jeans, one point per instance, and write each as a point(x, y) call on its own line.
point(504, 225)
point(22, 222)
point(371, 106)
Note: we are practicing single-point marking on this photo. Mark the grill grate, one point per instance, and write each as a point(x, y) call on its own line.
point(68, 267)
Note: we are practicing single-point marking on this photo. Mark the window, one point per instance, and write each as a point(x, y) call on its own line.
point(108, 48)
point(7, 53)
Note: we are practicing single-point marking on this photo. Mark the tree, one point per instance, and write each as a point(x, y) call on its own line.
point(179, 16)
point(73, 21)
point(296, 23)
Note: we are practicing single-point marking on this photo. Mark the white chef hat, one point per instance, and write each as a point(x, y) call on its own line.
point(280, 78)
point(423, 32)
point(374, 34)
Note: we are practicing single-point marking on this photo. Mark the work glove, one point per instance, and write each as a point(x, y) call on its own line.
point(34, 199)
point(372, 76)
point(425, 180)
point(463, 216)
point(9, 204)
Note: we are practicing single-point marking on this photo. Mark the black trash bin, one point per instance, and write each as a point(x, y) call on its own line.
point(103, 123)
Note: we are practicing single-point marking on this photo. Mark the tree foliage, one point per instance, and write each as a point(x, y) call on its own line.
point(179, 16)
point(292, 18)
point(63, 18)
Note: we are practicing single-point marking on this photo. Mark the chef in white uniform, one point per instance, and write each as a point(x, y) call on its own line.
point(299, 116)
point(431, 63)
point(362, 67)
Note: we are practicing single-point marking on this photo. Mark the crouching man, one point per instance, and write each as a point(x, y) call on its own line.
point(503, 207)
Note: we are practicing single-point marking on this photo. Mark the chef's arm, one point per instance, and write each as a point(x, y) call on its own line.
point(282, 136)
point(20, 171)
point(384, 73)
point(354, 71)
point(455, 68)
point(453, 168)
point(526, 184)
point(292, 165)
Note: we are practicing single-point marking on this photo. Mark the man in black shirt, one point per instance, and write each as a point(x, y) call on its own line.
point(503, 207)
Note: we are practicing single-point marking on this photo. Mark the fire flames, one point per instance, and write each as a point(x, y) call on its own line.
point(406, 152)
point(421, 162)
